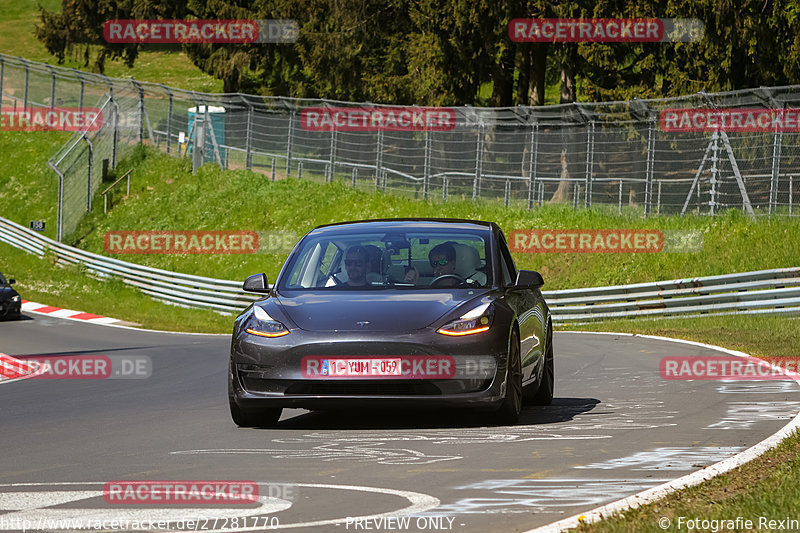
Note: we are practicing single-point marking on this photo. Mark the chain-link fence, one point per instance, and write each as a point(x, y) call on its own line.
point(616, 155)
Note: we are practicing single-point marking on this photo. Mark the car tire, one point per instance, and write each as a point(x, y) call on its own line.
point(544, 394)
point(250, 418)
point(510, 409)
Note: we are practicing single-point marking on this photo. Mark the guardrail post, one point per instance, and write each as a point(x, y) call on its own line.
point(426, 168)
point(476, 184)
point(533, 163)
point(648, 189)
point(587, 202)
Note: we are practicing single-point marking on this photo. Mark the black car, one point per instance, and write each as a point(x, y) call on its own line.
point(401, 313)
point(10, 301)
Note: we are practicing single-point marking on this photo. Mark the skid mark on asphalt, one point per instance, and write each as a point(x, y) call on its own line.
point(743, 415)
point(336, 452)
point(508, 496)
point(668, 458)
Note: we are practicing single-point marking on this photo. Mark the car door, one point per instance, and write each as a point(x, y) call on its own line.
point(529, 307)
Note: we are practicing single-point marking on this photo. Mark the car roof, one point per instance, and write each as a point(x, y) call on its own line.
point(383, 224)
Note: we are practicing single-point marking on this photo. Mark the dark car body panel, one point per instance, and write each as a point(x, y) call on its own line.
point(389, 322)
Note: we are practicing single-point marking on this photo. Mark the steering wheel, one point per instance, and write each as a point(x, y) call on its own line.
point(461, 281)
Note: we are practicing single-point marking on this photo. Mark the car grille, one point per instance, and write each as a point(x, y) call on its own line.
point(364, 388)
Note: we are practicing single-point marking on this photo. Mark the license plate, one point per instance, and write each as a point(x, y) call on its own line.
point(345, 368)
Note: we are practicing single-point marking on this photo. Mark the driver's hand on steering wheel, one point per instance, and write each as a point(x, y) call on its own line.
point(412, 275)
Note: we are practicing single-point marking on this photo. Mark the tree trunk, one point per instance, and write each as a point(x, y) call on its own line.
point(568, 96)
point(537, 81)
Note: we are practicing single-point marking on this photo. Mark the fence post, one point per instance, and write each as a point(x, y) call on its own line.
point(332, 153)
point(533, 163)
point(299, 169)
point(776, 161)
point(249, 139)
point(507, 192)
point(274, 165)
point(27, 79)
point(140, 109)
point(52, 87)
point(60, 209)
point(379, 157)
point(115, 137)
point(658, 199)
point(426, 172)
point(2, 72)
point(619, 209)
point(476, 185)
point(790, 194)
point(355, 177)
point(589, 164)
point(714, 171)
point(648, 188)
point(89, 175)
point(289, 143)
point(445, 181)
point(169, 119)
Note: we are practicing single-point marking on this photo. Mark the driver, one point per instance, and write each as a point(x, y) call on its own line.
point(355, 262)
point(443, 260)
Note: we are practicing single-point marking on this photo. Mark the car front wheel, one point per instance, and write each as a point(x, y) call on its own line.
point(511, 407)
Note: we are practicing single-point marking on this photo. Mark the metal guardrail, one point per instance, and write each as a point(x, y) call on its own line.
point(173, 287)
point(765, 291)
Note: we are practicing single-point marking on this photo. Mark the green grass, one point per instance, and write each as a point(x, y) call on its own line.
point(170, 67)
point(166, 196)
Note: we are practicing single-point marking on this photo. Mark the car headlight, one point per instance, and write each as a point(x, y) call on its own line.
point(264, 325)
point(475, 321)
point(16, 298)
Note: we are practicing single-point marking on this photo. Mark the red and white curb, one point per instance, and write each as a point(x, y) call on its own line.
point(33, 307)
point(12, 369)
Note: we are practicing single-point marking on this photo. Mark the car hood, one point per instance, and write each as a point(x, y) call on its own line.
point(373, 310)
point(6, 293)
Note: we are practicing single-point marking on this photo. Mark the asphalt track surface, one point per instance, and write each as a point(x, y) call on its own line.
point(615, 428)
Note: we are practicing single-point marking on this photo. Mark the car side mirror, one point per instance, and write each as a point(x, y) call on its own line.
point(256, 283)
point(12, 281)
point(529, 279)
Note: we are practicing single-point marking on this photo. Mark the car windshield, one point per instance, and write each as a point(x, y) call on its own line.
point(405, 259)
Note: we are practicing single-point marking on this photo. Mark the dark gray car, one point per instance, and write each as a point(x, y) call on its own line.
point(401, 313)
